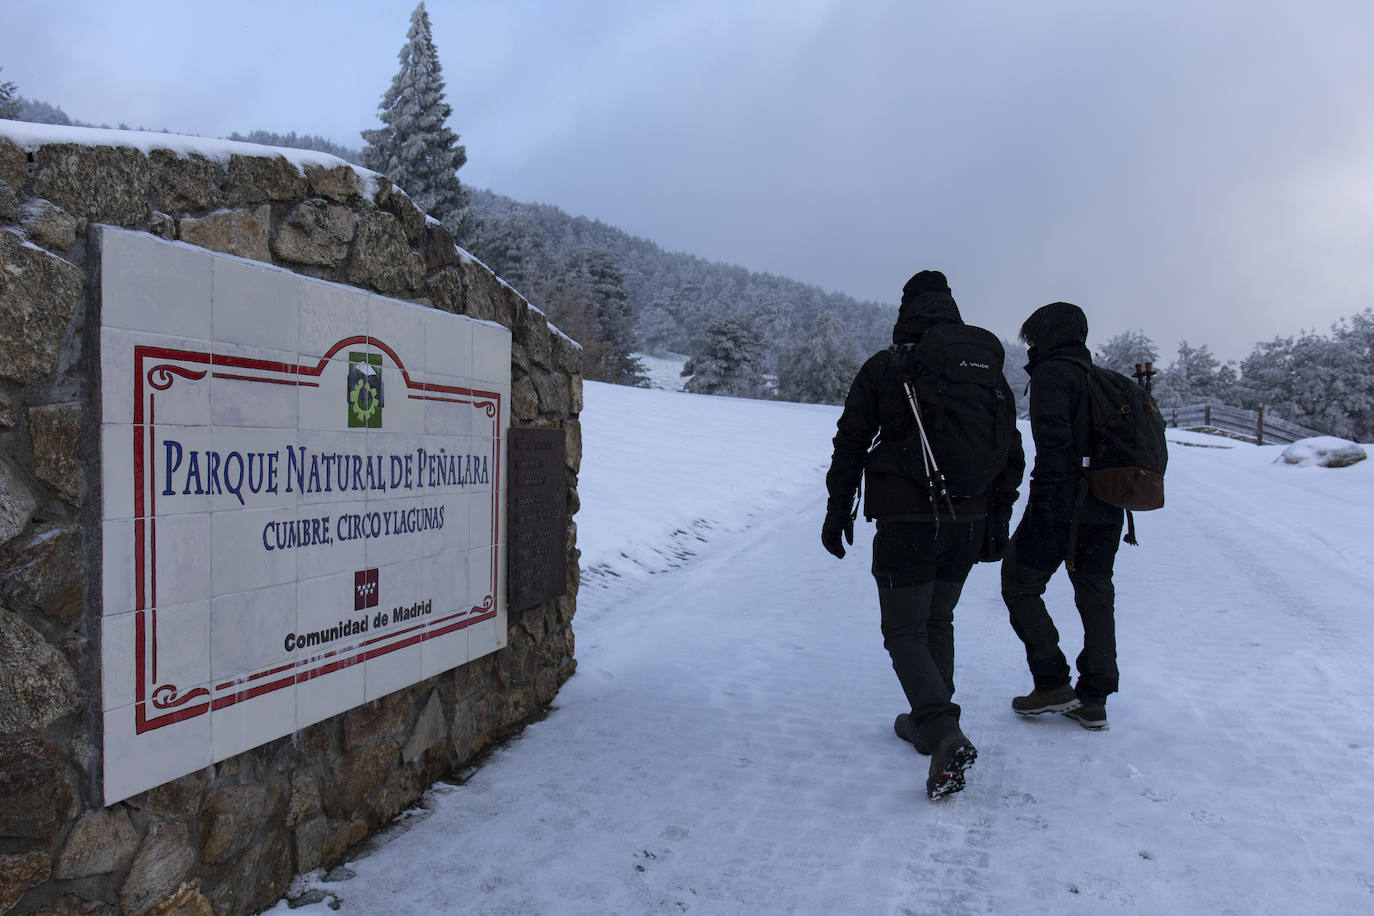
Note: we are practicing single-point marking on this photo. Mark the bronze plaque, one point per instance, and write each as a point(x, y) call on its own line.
point(537, 509)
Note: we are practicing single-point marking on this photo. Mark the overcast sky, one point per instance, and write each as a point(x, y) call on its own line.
point(1198, 170)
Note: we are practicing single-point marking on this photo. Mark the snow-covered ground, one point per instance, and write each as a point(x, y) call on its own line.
point(726, 744)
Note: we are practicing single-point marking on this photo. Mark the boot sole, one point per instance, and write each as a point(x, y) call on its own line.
point(1054, 707)
point(951, 779)
point(1092, 725)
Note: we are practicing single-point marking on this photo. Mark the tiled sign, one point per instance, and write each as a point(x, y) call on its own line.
point(303, 502)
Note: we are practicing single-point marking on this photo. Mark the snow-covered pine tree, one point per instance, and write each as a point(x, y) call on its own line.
point(1124, 350)
point(415, 147)
point(9, 101)
point(513, 247)
point(1196, 376)
point(730, 361)
point(1014, 371)
point(1326, 383)
point(820, 368)
point(658, 330)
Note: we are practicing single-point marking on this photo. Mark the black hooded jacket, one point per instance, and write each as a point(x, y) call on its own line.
point(1060, 414)
point(877, 406)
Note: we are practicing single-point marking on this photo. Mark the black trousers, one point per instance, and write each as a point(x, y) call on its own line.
point(920, 568)
point(1031, 560)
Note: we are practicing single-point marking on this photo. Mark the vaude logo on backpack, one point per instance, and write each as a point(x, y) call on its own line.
point(955, 375)
point(1128, 452)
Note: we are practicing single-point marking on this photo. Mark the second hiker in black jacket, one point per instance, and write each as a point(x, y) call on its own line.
point(922, 551)
point(1060, 417)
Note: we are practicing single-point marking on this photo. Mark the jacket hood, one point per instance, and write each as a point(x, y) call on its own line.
point(1055, 325)
point(922, 310)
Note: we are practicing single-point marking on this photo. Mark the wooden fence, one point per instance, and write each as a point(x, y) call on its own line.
point(1251, 425)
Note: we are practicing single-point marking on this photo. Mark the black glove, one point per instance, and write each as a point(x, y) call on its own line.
point(836, 524)
point(997, 536)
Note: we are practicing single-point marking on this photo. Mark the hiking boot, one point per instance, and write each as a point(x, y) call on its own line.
point(1057, 699)
point(907, 732)
point(1090, 715)
point(951, 757)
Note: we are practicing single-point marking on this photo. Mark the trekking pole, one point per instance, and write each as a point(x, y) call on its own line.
point(935, 479)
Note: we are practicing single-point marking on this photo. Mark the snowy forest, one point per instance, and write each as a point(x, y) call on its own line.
point(744, 333)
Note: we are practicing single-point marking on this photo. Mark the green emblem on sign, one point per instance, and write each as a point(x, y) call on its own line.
point(365, 390)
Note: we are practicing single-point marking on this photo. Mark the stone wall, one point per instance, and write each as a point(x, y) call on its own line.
point(229, 838)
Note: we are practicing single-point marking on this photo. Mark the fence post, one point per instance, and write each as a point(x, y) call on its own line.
point(1259, 427)
point(1207, 415)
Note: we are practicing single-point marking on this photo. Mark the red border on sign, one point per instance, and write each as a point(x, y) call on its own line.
point(159, 705)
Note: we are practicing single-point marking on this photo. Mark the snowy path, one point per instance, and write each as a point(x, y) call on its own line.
point(726, 745)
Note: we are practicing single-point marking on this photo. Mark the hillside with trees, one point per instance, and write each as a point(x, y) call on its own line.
point(671, 299)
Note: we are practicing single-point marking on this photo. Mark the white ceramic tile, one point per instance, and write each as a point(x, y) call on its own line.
point(253, 721)
point(398, 450)
point(445, 577)
point(325, 406)
point(401, 326)
point(392, 547)
point(117, 669)
point(502, 519)
point(481, 531)
point(178, 645)
point(329, 313)
point(330, 694)
point(344, 553)
point(249, 629)
point(390, 672)
point(117, 567)
point(254, 304)
point(452, 513)
point(180, 464)
point(481, 583)
point(443, 653)
point(241, 560)
point(405, 400)
point(448, 344)
point(486, 637)
point(117, 471)
point(490, 354)
point(400, 585)
point(311, 466)
point(182, 401)
point(252, 469)
point(455, 417)
point(151, 284)
point(250, 391)
point(323, 602)
point(134, 763)
point(183, 549)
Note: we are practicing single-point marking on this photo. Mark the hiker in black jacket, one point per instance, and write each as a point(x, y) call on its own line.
point(924, 546)
point(1060, 425)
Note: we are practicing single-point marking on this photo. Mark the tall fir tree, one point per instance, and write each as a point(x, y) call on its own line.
point(1124, 350)
point(615, 323)
point(1196, 376)
point(415, 147)
point(819, 369)
point(730, 361)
